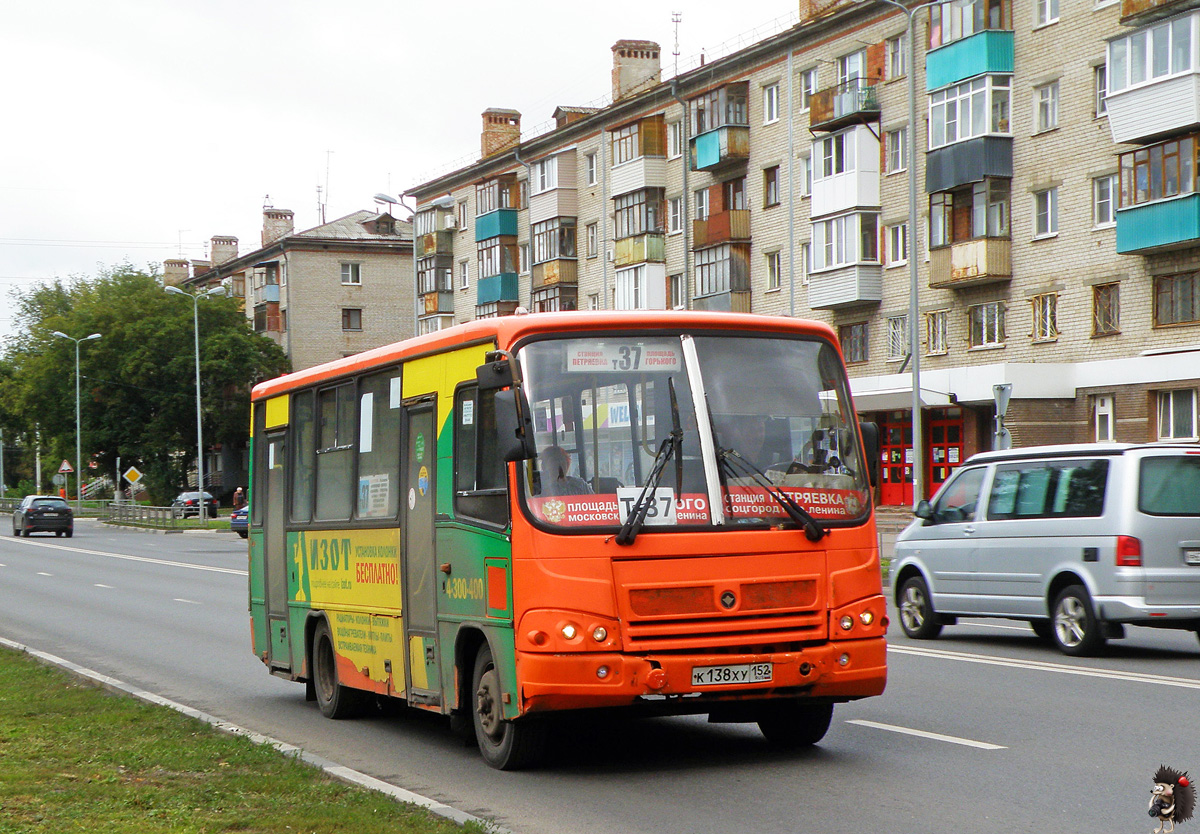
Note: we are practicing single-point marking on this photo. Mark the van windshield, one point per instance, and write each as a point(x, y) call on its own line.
point(1170, 485)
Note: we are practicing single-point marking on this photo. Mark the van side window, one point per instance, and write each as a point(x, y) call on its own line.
point(1169, 486)
point(1049, 489)
point(959, 498)
point(480, 476)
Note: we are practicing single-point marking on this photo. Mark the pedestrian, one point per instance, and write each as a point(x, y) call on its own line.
point(239, 498)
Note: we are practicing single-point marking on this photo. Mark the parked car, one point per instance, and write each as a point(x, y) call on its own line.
point(188, 504)
point(43, 513)
point(1079, 541)
point(239, 521)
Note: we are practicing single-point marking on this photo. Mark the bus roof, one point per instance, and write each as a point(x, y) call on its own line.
point(505, 331)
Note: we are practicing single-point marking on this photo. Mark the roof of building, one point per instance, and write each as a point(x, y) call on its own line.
point(357, 226)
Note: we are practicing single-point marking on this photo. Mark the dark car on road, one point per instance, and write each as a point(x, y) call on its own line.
point(43, 513)
point(239, 521)
point(188, 504)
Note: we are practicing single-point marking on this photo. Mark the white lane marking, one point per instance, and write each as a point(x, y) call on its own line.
point(188, 601)
point(1042, 666)
point(43, 573)
point(908, 731)
point(129, 558)
point(102, 585)
point(995, 625)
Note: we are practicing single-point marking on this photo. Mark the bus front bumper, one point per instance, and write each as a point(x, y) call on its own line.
point(838, 670)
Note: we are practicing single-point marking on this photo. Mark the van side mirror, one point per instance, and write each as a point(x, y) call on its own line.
point(870, 437)
point(514, 428)
point(923, 510)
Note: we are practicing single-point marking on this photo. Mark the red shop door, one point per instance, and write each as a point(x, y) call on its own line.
point(944, 433)
point(895, 471)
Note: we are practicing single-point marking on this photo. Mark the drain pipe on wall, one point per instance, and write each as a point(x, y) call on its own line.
point(528, 223)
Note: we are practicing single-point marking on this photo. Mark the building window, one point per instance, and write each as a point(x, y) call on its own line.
point(771, 186)
point(1102, 411)
point(1045, 12)
point(678, 302)
point(1045, 213)
point(675, 215)
point(935, 332)
point(712, 270)
point(1177, 414)
point(523, 258)
point(734, 194)
point(552, 239)
point(770, 103)
point(1106, 309)
point(720, 107)
point(1100, 80)
point(986, 323)
point(545, 175)
point(1150, 54)
point(1177, 299)
point(1045, 317)
point(352, 274)
point(844, 241)
point(973, 108)
point(590, 164)
point(461, 208)
point(897, 245)
point(1045, 104)
point(594, 301)
point(897, 54)
point(897, 337)
point(808, 86)
point(638, 213)
point(631, 289)
point(463, 280)
point(953, 20)
point(804, 257)
point(1104, 206)
point(804, 178)
point(774, 271)
point(835, 154)
point(351, 318)
point(675, 140)
point(1158, 171)
point(854, 341)
point(700, 199)
point(977, 210)
point(593, 239)
point(895, 142)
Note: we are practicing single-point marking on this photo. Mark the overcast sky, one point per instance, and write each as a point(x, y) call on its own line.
point(135, 130)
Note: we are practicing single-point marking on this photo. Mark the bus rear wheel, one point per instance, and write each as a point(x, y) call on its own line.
point(334, 699)
point(791, 725)
point(504, 744)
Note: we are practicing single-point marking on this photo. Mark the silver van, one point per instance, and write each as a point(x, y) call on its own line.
point(1077, 540)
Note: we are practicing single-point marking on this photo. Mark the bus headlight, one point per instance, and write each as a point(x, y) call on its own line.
point(569, 631)
point(847, 623)
point(556, 630)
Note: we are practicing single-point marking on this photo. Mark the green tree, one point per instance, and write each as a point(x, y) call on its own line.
point(137, 382)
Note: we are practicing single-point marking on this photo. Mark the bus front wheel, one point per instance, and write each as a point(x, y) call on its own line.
point(505, 745)
point(334, 699)
point(792, 725)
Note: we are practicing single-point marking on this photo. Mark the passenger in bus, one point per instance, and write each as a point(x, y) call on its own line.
point(555, 466)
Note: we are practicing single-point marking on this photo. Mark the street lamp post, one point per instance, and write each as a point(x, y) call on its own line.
point(199, 431)
point(78, 430)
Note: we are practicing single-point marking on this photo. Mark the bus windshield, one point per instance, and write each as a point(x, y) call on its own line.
point(754, 416)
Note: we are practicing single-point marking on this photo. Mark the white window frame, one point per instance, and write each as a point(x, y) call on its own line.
point(1045, 213)
point(523, 255)
point(674, 140)
point(462, 215)
point(351, 274)
point(544, 176)
point(590, 166)
point(986, 102)
point(896, 240)
point(804, 178)
point(1100, 89)
point(804, 259)
point(896, 62)
point(896, 144)
point(991, 324)
point(700, 199)
point(464, 274)
point(630, 285)
point(675, 215)
point(808, 86)
point(836, 155)
point(1045, 12)
point(770, 103)
point(1045, 317)
point(837, 241)
point(1104, 201)
point(898, 337)
point(592, 233)
point(676, 286)
point(774, 271)
point(1131, 59)
point(1182, 400)
point(1045, 107)
point(1103, 417)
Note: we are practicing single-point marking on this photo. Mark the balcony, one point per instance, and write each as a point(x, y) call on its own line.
point(1159, 226)
point(721, 227)
point(725, 146)
point(974, 160)
point(971, 263)
point(846, 286)
point(847, 103)
point(640, 249)
point(496, 288)
point(557, 202)
point(435, 243)
point(1139, 12)
point(733, 301)
point(983, 53)
point(495, 224)
point(559, 271)
point(638, 174)
point(438, 302)
point(1163, 106)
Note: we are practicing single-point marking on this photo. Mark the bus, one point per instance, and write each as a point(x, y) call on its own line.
point(522, 518)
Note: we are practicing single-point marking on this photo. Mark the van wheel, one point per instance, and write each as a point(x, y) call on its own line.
point(334, 699)
point(917, 617)
point(1044, 629)
point(505, 745)
point(1076, 631)
point(792, 725)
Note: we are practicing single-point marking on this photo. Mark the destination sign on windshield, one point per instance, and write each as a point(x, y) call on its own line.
point(623, 357)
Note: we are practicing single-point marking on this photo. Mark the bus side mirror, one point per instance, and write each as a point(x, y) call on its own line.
point(870, 436)
point(494, 375)
point(513, 426)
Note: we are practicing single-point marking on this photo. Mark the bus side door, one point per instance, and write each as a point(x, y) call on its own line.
point(419, 556)
point(275, 565)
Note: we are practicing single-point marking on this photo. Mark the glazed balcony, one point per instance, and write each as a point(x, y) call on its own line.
point(1159, 226)
point(441, 301)
point(496, 224)
point(846, 286)
point(435, 243)
point(723, 147)
point(497, 288)
point(984, 53)
point(847, 103)
point(721, 227)
point(971, 263)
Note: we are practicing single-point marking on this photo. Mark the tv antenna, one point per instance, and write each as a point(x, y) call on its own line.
point(676, 18)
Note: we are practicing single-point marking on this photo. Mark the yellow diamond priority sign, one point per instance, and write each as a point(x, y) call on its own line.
point(133, 475)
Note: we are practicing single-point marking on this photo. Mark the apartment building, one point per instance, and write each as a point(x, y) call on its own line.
point(1057, 237)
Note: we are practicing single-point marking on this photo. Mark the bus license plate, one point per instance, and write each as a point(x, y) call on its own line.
point(735, 674)
point(1192, 557)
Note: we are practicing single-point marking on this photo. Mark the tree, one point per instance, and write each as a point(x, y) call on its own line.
point(137, 383)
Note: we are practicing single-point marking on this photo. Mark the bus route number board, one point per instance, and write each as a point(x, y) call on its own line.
point(734, 674)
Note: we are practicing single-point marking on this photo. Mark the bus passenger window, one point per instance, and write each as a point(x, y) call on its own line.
point(304, 446)
point(336, 410)
point(480, 476)
point(379, 446)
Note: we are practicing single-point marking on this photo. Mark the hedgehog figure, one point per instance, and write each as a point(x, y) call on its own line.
point(1173, 798)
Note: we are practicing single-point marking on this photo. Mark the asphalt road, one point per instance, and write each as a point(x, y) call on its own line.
point(983, 730)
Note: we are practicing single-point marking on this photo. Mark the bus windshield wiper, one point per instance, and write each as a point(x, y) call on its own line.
point(671, 445)
point(733, 464)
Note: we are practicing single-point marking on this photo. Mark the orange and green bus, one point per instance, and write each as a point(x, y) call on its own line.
point(525, 517)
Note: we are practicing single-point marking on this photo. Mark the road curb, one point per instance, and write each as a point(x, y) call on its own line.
point(335, 770)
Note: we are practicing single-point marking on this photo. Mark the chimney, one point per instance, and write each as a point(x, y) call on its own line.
point(175, 271)
point(223, 249)
point(636, 68)
point(277, 224)
point(501, 131)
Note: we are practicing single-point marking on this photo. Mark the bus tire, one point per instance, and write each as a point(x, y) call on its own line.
point(791, 725)
point(334, 699)
point(504, 744)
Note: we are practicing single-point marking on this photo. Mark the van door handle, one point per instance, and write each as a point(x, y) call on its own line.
point(969, 530)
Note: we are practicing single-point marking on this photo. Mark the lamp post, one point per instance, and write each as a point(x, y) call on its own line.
point(914, 311)
point(78, 430)
point(199, 431)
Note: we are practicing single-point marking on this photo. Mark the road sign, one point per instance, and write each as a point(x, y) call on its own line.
point(59, 480)
point(66, 467)
point(132, 475)
point(1001, 394)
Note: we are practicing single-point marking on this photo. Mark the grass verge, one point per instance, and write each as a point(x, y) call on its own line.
point(75, 757)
